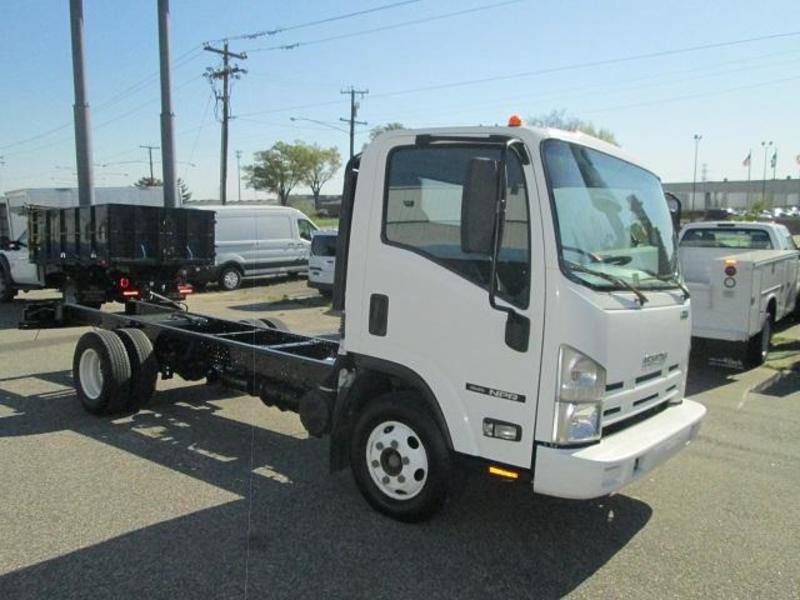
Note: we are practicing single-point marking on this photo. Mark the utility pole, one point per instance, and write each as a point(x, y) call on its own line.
point(2, 164)
point(83, 142)
point(226, 73)
point(697, 138)
point(150, 154)
point(239, 172)
point(353, 113)
point(171, 197)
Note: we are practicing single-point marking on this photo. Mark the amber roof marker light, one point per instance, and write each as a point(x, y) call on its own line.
point(514, 121)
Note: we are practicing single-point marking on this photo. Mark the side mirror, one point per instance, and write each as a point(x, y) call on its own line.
point(675, 207)
point(478, 206)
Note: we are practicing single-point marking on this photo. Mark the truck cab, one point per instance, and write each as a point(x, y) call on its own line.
point(525, 284)
point(17, 271)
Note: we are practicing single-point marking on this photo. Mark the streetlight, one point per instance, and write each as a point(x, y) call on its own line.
point(697, 138)
point(319, 123)
point(766, 147)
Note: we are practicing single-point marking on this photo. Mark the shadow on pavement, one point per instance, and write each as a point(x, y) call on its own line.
point(310, 533)
point(286, 304)
point(11, 313)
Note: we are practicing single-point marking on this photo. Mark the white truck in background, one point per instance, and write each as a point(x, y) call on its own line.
point(743, 278)
point(17, 272)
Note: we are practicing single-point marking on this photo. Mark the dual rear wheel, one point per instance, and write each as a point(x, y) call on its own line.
point(114, 371)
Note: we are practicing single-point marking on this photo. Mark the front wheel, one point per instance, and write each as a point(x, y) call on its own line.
point(399, 458)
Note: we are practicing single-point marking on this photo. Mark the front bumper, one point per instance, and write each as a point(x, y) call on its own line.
point(615, 461)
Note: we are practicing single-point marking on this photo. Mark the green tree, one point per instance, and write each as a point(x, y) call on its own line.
point(376, 131)
point(323, 164)
point(560, 120)
point(147, 182)
point(279, 169)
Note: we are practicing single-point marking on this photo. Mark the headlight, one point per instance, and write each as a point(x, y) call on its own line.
point(579, 407)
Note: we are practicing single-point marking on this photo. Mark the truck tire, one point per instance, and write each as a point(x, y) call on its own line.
point(144, 366)
point(266, 323)
point(7, 291)
point(758, 346)
point(102, 372)
point(230, 278)
point(399, 458)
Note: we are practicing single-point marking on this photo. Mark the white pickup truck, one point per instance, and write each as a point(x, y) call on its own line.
point(743, 278)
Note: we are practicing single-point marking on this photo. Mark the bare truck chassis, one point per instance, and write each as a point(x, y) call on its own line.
point(254, 356)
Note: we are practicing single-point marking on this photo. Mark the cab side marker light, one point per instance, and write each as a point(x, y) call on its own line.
point(504, 473)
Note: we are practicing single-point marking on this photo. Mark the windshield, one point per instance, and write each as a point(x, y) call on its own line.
point(611, 218)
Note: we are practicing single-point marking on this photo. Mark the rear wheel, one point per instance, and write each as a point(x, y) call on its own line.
point(102, 372)
point(7, 291)
point(266, 323)
point(144, 366)
point(230, 278)
point(758, 346)
point(399, 458)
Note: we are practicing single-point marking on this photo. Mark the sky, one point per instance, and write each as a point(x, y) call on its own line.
point(654, 73)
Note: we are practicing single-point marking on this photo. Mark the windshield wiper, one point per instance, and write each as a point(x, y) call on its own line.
point(669, 279)
point(610, 278)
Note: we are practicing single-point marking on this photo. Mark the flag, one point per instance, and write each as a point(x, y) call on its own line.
point(774, 160)
point(746, 161)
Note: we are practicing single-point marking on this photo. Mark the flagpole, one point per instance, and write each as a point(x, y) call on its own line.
point(749, 167)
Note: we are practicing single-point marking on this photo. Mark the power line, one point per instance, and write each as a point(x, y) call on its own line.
point(181, 61)
point(590, 64)
point(294, 45)
point(574, 66)
point(270, 32)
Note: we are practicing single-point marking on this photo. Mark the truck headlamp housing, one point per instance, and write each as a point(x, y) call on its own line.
point(579, 406)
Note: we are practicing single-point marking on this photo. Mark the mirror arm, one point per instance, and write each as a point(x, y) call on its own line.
point(499, 215)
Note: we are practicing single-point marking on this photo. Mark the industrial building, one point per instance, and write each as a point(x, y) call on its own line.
point(736, 194)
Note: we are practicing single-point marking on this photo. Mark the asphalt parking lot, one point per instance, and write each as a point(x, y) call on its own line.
point(209, 494)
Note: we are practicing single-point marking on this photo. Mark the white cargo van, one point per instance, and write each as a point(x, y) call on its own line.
point(253, 241)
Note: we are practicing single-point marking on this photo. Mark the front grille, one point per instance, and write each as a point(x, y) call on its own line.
point(627, 399)
point(633, 420)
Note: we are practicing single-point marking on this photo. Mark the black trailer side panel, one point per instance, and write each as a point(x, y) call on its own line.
point(121, 234)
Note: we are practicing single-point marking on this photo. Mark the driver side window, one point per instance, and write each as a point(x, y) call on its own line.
point(422, 213)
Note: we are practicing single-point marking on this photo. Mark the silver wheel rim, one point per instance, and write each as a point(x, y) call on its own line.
point(91, 374)
point(397, 460)
point(231, 279)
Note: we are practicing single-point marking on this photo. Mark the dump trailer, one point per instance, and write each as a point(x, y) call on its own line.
point(510, 299)
point(113, 252)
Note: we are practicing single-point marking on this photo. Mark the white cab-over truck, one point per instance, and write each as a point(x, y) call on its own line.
point(743, 278)
point(511, 298)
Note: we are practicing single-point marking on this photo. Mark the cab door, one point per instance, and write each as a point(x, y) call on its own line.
point(426, 301)
point(23, 270)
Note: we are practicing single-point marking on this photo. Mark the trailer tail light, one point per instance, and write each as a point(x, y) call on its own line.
point(124, 283)
point(130, 293)
point(185, 289)
point(730, 267)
